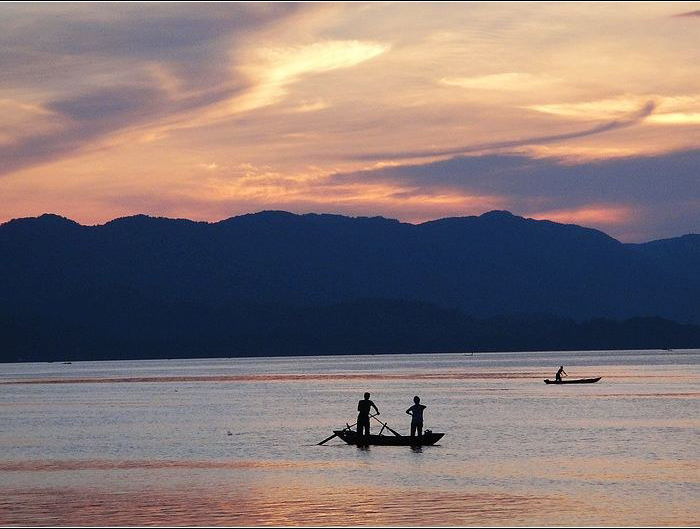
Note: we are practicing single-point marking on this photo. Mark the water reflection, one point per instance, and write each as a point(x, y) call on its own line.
point(286, 377)
point(74, 464)
point(113, 444)
point(127, 493)
point(269, 505)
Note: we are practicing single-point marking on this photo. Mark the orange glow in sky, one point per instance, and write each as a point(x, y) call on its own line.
point(212, 110)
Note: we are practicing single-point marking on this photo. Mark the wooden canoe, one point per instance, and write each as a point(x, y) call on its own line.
point(351, 437)
point(573, 381)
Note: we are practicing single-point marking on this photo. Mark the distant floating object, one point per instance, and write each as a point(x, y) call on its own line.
point(67, 362)
point(229, 433)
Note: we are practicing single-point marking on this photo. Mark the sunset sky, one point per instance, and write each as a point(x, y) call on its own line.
point(585, 113)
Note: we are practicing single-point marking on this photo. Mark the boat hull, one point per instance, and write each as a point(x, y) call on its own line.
point(574, 381)
point(351, 437)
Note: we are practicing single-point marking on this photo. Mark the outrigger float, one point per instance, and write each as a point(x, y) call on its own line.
point(351, 437)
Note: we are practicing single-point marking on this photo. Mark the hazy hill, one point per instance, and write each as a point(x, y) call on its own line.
point(679, 256)
point(148, 282)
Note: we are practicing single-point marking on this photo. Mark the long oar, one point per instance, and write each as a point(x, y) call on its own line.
point(335, 434)
point(397, 434)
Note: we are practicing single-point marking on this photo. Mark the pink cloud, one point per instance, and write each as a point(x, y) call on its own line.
point(589, 215)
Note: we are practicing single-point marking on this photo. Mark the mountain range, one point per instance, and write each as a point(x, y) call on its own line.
point(280, 283)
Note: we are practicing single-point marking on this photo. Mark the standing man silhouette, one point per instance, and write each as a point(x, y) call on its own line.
point(560, 373)
point(416, 412)
point(363, 408)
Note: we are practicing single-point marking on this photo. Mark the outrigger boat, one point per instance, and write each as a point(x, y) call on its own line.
point(574, 381)
point(351, 437)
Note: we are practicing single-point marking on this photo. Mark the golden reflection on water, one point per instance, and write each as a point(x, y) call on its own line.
point(77, 464)
point(272, 505)
point(282, 499)
point(671, 394)
point(455, 374)
point(610, 460)
point(580, 468)
point(287, 377)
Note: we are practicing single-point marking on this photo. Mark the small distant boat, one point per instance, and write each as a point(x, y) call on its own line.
point(573, 381)
point(350, 437)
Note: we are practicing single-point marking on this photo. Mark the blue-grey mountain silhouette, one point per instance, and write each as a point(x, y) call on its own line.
point(280, 283)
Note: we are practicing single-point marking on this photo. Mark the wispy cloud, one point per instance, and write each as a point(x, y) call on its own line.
point(689, 14)
point(628, 121)
point(274, 69)
point(613, 194)
point(311, 106)
point(668, 109)
point(509, 82)
point(116, 108)
point(85, 119)
point(117, 68)
point(589, 215)
point(676, 118)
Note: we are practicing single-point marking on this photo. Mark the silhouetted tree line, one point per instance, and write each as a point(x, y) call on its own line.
point(361, 327)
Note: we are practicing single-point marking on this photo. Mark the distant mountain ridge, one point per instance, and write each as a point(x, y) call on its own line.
point(136, 270)
point(678, 256)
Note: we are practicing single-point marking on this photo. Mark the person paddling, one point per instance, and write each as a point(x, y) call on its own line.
point(416, 413)
point(560, 373)
point(363, 407)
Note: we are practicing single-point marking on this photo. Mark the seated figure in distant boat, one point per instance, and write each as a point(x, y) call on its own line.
point(363, 407)
point(560, 373)
point(416, 412)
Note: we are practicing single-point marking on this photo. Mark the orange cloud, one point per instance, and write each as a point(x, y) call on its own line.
point(155, 109)
point(589, 215)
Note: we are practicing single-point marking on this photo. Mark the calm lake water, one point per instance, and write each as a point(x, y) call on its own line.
point(233, 441)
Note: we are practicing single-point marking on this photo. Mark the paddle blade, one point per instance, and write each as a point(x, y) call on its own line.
point(397, 434)
point(328, 439)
